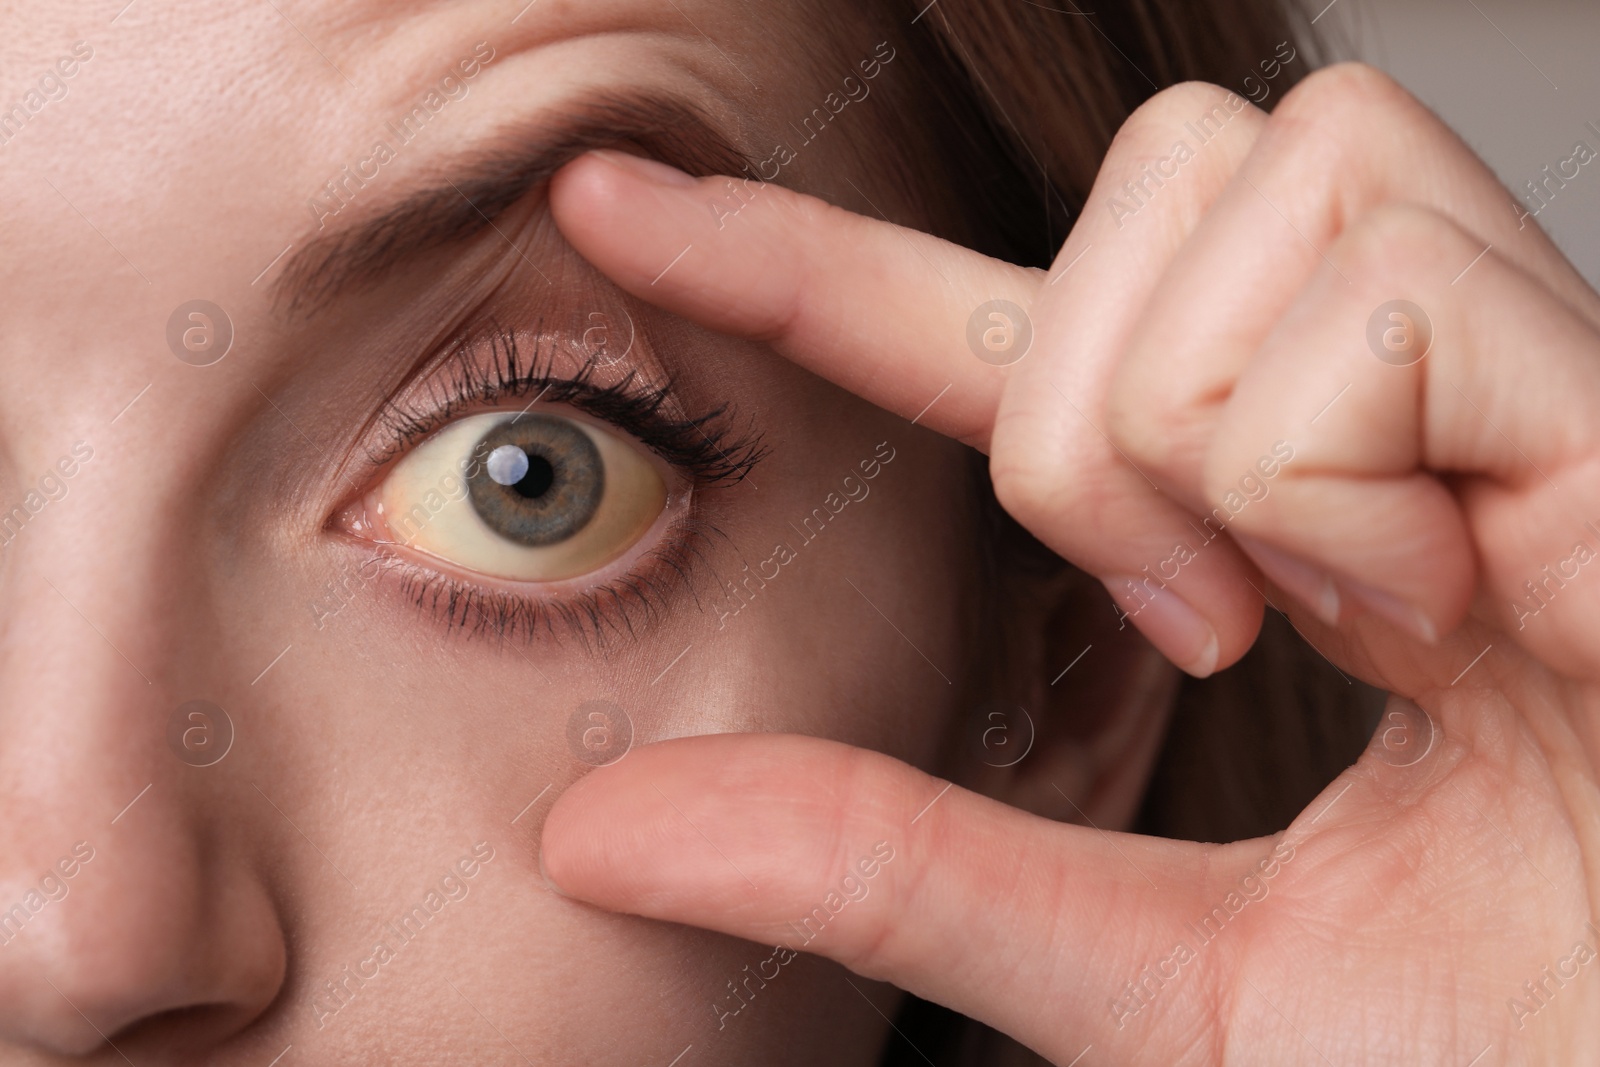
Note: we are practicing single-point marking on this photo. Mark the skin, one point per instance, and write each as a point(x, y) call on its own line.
point(375, 747)
point(1434, 904)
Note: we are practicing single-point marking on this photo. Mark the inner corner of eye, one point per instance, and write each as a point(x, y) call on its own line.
point(528, 496)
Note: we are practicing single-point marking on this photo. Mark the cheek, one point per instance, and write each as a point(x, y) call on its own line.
point(862, 637)
point(859, 639)
point(471, 740)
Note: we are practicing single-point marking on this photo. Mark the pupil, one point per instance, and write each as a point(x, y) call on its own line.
point(541, 475)
point(543, 482)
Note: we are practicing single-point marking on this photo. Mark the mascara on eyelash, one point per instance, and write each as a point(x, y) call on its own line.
point(486, 366)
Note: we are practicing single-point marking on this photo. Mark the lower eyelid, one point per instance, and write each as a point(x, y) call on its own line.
point(621, 598)
point(595, 612)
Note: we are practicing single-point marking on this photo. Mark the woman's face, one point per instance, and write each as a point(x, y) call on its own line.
point(404, 622)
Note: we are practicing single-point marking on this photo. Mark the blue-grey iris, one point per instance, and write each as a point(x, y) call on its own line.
point(559, 481)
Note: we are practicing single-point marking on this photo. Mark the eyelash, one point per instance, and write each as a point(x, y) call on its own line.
point(708, 447)
point(489, 367)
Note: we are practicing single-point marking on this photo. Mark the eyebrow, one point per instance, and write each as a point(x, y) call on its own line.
point(465, 203)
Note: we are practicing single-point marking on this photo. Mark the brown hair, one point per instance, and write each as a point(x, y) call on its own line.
point(1027, 95)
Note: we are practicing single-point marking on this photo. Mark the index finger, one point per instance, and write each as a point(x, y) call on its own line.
point(879, 309)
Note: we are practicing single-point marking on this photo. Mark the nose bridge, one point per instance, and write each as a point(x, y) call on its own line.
point(83, 655)
point(101, 516)
point(84, 646)
point(105, 860)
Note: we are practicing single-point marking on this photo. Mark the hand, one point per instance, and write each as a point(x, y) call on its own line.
point(1213, 365)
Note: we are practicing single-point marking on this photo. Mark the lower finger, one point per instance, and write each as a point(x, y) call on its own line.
point(1001, 915)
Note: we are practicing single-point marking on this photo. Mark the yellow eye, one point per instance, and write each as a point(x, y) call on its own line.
point(526, 497)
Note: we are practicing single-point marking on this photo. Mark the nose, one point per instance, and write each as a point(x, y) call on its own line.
point(130, 909)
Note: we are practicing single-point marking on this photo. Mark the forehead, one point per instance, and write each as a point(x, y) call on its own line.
point(156, 153)
point(167, 128)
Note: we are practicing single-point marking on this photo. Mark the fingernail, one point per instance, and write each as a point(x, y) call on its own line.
point(651, 170)
point(1181, 633)
point(1387, 606)
point(1310, 585)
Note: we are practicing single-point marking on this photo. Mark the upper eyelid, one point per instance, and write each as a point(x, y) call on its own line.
point(487, 365)
point(518, 159)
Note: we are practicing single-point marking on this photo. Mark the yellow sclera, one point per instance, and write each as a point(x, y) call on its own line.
point(425, 505)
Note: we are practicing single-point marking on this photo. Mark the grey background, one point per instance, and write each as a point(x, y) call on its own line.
point(1518, 79)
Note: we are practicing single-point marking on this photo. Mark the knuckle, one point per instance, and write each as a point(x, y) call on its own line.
point(1153, 123)
point(798, 244)
point(869, 805)
point(807, 213)
point(1130, 432)
point(1337, 133)
point(1140, 420)
point(1166, 137)
point(1178, 104)
point(1056, 488)
point(1346, 96)
point(1028, 482)
point(1399, 243)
